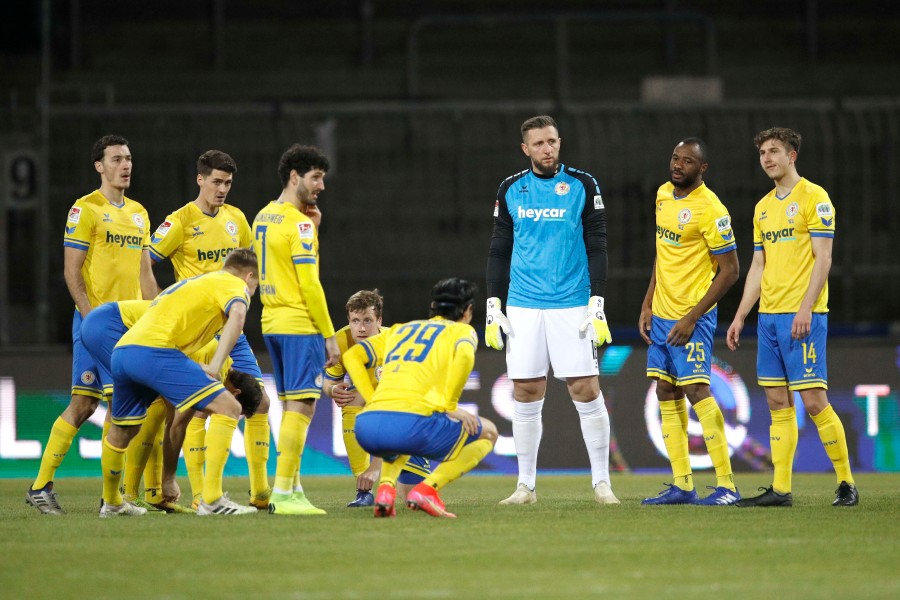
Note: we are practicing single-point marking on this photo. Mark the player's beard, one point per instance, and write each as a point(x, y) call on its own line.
point(686, 182)
point(538, 167)
point(305, 196)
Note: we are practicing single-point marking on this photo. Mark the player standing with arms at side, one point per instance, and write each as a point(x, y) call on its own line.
point(793, 233)
point(296, 325)
point(548, 264)
point(696, 263)
point(106, 259)
point(197, 237)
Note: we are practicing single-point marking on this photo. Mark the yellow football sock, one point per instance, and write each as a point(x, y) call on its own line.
point(106, 425)
point(710, 416)
point(451, 470)
point(256, 444)
point(673, 414)
point(140, 447)
point(218, 442)
point(112, 463)
point(390, 471)
point(194, 448)
point(358, 458)
point(831, 432)
point(783, 436)
point(154, 469)
point(61, 435)
point(291, 440)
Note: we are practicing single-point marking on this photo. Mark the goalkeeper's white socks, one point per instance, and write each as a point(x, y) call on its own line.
point(527, 430)
point(595, 429)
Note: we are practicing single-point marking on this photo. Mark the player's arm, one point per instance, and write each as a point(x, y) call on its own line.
point(356, 361)
point(237, 314)
point(752, 289)
point(593, 222)
point(498, 265)
point(149, 287)
point(460, 367)
point(821, 248)
point(73, 260)
point(729, 269)
point(646, 318)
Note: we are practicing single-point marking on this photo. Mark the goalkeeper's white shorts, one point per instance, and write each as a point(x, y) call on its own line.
point(545, 337)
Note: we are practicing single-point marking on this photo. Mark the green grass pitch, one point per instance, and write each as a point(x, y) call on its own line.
point(566, 546)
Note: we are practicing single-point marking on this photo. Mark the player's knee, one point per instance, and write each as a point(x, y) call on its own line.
point(814, 400)
point(263, 407)
point(488, 431)
point(119, 436)
point(665, 391)
point(80, 409)
point(226, 405)
point(697, 392)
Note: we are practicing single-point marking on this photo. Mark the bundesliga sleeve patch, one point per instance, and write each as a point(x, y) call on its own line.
point(162, 230)
point(306, 230)
point(74, 215)
point(496, 207)
point(598, 202)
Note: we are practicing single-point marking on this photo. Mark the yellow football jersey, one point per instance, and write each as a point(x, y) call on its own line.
point(287, 247)
point(188, 314)
point(345, 342)
point(132, 310)
point(205, 355)
point(690, 231)
point(197, 242)
point(782, 228)
point(417, 357)
point(114, 238)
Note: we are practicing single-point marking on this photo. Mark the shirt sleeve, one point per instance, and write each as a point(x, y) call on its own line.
point(500, 253)
point(79, 227)
point(593, 222)
point(246, 234)
point(757, 232)
point(234, 295)
point(460, 367)
point(361, 357)
point(166, 239)
point(820, 217)
point(303, 254)
point(145, 243)
point(717, 231)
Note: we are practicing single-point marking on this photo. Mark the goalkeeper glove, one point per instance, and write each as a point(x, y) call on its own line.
point(495, 323)
point(597, 318)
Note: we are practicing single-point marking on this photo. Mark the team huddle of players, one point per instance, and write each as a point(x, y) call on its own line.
point(135, 345)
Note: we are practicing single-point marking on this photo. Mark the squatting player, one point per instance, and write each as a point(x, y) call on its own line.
point(105, 260)
point(414, 409)
point(151, 359)
point(548, 263)
point(364, 313)
point(197, 237)
point(297, 328)
point(696, 263)
point(793, 232)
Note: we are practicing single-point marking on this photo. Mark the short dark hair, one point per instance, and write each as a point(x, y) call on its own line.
point(538, 122)
point(789, 138)
point(250, 393)
point(302, 159)
point(215, 160)
point(363, 299)
point(450, 297)
point(701, 145)
point(242, 260)
point(103, 143)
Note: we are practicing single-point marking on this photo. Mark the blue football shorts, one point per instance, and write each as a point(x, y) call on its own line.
point(100, 332)
point(681, 365)
point(782, 360)
point(389, 433)
point(299, 365)
point(85, 375)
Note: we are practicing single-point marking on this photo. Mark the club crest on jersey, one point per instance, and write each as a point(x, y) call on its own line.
point(684, 216)
point(74, 214)
point(231, 228)
point(791, 210)
point(598, 202)
point(138, 220)
point(88, 378)
point(306, 230)
point(826, 213)
point(561, 189)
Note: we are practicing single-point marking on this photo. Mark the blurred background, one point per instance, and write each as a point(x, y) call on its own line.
point(418, 104)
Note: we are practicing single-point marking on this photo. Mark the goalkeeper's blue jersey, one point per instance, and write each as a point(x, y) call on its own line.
point(549, 267)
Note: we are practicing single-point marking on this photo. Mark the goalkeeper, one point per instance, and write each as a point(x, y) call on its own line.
point(547, 268)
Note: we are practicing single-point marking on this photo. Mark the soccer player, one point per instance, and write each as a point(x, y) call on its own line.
point(197, 237)
point(793, 231)
point(296, 325)
point(696, 263)
point(105, 259)
point(548, 264)
point(414, 409)
point(364, 313)
point(151, 359)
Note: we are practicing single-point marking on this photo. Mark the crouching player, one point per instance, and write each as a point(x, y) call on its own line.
point(151, 360)
point(364, 312)
point(414, 410)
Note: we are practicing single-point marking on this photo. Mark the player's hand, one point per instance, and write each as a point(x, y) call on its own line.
point(645, 322)
point(312, 211)
point(733, 337)
point(368, 478)
point(596, 318)
point(171, 492)
point(209, 371)
point(343, 394)
point(681, 332)
point(495, 323)
point(469, 421)
point(802, 323)
point(332, 352)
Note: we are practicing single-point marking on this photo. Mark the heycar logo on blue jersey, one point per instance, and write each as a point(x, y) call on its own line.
point(545, 214)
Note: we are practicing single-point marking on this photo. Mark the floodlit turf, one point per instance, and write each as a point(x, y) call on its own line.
point(566, 546)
